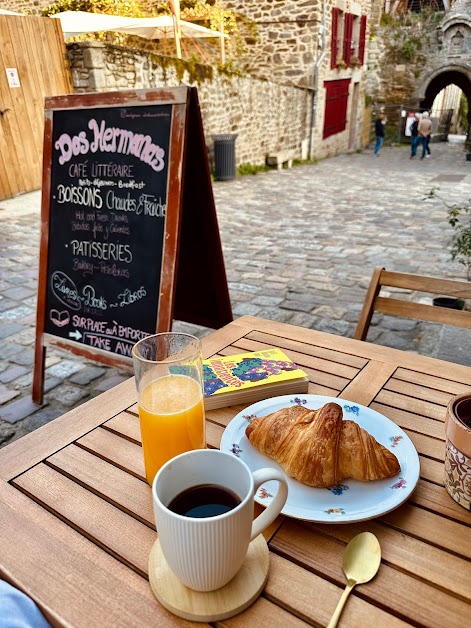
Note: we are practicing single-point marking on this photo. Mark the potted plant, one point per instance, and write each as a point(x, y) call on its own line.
point(459, 218)
point(355, 62)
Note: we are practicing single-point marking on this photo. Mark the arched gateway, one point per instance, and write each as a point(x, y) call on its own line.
point(452, 62)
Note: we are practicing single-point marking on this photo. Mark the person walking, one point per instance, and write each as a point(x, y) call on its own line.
point(414, 131)
point(427, 156)
point(425, 130)
point(379, 133)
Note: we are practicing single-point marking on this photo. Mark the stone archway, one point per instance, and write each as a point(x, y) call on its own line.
point(438, 79)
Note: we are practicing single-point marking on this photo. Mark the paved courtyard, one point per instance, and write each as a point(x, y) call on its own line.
point(300, 246)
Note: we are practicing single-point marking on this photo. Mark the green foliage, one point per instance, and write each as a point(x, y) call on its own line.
point(387, 19)
point(127, 8)
point(410, 48)
point(463, 113)
point(247, 168)
point(197, 72)
point(459, 219)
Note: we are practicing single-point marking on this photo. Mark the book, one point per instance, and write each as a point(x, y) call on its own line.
point(249, 377)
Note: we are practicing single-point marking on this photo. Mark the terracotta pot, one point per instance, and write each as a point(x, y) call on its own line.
point(458, 450)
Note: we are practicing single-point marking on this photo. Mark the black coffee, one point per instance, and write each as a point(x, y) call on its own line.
point(204, 500)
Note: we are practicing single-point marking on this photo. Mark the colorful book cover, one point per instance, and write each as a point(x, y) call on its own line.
point(246, 370)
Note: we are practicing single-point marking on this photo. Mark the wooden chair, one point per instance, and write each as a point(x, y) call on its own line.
point(420, 283)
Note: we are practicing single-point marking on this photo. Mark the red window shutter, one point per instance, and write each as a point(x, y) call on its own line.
point(335, 34)
point(362, 43)
point(336, 100)
point(347, 37)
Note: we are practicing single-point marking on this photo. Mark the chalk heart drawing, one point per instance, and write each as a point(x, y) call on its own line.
point(59, 318)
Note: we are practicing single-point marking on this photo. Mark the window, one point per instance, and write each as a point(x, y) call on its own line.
point(336, 100)
point(336, 13)
point(348, 38)
point(362, 39)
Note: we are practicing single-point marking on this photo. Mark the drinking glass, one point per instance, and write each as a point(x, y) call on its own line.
point(169, 380)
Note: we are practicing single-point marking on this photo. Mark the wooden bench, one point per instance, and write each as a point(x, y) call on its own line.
point(280, 158)
point(420, 283)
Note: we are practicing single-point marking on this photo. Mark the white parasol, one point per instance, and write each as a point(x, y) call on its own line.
point(79, 22)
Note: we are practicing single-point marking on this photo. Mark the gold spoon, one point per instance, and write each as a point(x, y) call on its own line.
point(361, 561)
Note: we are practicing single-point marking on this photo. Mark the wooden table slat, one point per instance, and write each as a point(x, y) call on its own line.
point(435, 498)
point(430, 381)
point(125, 424)
point(109, 482)
point(427, 446)
point(254, 326)
point(71, 573)
point(415, 557)
point(122, 536)
point(115, 449)
point(409, 404)
point(411, 421)
point(263, 613)
point(317, 598)
point(405, 595)
point(431, 528)
point(431, 470)
point(372, 376)
point(417, 391)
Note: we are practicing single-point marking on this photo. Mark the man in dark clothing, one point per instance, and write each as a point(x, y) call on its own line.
point(414, 131)
point(379, 132)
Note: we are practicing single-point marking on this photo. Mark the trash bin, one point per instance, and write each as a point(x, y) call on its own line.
point(224, 156)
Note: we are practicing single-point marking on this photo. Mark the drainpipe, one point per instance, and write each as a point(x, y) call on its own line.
point(320, 58)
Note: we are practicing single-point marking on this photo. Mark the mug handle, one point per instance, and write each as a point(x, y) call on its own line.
point(273, 510)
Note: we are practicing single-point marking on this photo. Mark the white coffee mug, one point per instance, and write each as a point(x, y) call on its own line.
point(206, 553)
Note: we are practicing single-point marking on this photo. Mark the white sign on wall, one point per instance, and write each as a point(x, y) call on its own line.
point(13, 78)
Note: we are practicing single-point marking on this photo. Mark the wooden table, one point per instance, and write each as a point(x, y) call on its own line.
point(76, 521)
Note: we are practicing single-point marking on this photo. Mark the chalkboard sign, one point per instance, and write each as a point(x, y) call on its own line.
point(129, 229)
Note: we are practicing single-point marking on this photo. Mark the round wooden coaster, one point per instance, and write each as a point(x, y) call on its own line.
point(233, 598)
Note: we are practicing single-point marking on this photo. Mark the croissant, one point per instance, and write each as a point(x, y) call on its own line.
point(320, 449)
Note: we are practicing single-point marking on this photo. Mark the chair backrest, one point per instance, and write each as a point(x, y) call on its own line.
point(420, 283)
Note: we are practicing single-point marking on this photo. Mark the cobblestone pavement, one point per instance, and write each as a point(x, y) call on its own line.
point(300, 246)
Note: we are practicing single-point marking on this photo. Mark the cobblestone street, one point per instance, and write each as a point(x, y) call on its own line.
point(300, 246)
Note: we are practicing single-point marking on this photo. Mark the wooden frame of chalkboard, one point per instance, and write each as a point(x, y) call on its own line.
point(129, 234)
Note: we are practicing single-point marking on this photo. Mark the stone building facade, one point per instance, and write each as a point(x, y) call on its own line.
point(32, 7)
point(414, 57)
point(279, 114)
point(321, 45)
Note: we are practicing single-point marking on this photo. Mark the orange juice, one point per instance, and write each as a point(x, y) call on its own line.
point(171, 412)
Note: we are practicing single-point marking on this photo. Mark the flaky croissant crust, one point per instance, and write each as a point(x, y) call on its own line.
point(319, 448)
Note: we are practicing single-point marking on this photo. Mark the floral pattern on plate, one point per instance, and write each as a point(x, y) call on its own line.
point(353, 500)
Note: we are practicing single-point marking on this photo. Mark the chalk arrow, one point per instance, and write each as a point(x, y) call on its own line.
point(75, 334)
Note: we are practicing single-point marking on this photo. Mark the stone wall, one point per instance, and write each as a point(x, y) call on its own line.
point(412, 57)
point(286, 45)
point(32, 7)
point(265, 115)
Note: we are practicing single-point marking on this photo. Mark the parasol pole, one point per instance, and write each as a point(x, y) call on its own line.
point(175, 8)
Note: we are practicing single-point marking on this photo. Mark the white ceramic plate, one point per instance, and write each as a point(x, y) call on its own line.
point(348, 501)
